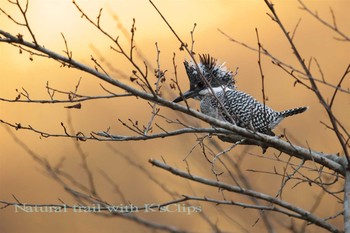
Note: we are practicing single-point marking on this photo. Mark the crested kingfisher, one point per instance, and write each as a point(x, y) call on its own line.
point(214, 86)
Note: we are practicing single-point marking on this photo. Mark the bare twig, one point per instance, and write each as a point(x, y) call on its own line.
point(192, 39)
point(347, 71)
point(261, 73)
point(332, 26)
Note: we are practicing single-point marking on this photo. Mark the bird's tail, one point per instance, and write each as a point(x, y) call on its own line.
point(294, 111)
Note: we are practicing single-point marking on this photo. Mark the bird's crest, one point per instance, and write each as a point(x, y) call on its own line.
point(208, 61)
point(216, 75)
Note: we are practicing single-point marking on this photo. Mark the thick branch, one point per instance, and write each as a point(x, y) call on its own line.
point(301, 212)
point(347, 201)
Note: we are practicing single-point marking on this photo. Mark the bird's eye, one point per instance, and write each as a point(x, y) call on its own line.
point(199, 85)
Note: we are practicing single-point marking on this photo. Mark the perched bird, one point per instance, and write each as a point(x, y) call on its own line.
point(214, 86)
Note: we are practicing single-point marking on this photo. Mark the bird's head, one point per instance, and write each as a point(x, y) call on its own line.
point(208, 75)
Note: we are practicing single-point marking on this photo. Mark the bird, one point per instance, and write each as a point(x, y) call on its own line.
point(215, 87)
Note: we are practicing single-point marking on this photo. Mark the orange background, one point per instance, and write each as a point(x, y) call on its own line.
point(21, 176)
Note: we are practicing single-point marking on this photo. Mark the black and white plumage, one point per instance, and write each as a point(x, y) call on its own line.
point(220, 98)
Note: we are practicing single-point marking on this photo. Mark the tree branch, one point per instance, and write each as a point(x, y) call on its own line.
point(302, 213)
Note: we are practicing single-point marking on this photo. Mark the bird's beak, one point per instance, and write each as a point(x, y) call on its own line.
point(186, 95)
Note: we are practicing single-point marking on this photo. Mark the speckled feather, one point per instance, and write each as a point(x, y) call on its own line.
point(244, 110)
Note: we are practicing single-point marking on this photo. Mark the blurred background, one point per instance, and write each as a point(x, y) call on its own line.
point(22, 176)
